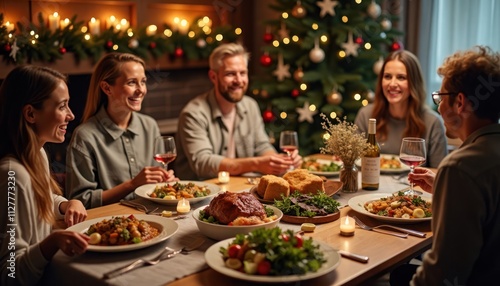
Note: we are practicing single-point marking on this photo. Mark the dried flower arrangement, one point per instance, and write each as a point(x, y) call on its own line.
point(345, 141)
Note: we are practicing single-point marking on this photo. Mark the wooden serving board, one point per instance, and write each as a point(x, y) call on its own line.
point(315, 219)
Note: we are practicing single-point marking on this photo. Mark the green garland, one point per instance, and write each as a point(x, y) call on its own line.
point(37, 43)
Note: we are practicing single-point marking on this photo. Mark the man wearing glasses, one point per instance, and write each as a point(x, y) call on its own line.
point(466, 200)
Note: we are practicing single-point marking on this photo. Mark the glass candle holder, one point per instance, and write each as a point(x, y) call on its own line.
point(347, 226)
point(183, 206)
point(224, 177)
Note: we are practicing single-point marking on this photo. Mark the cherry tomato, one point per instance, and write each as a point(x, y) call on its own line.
point(264, 267)
point(233, 250)
point(285, 237)
point(300, 241)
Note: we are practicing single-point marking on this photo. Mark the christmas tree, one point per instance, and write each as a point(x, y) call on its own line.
point(322, 57)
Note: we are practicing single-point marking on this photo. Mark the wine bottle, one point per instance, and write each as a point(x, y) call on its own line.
point(370, 162)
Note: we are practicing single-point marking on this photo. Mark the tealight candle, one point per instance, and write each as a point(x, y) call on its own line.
point(183, 206)
point(347, 226)
point(224, 177)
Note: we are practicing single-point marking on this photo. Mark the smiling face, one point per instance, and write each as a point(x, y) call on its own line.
point(231, 80)
point(395, 83)
point(51, 120)
point(129, 89)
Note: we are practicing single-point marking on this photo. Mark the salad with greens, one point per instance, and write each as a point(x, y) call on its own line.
point(272, 252)
point(307, 205)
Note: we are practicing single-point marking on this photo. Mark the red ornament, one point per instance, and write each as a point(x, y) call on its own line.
point(152, 45)
point(179, 52)
point(7, 47)
point(268, 116)
point(397, 45)
point(109, 44)
point(266, 60)
point(268, 37)
point(359, 40)
point(295, 92)
point(62, 50)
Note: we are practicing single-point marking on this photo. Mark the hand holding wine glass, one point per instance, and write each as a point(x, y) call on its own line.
point(165, 151)
point(289, 142)
point(412, 154)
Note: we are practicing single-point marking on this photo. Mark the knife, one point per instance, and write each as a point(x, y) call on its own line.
point(356, 257)
point(405, 230)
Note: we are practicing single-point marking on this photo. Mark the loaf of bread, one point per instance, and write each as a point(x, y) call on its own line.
point(276, 187)
point(261, 187)
point(303, 181)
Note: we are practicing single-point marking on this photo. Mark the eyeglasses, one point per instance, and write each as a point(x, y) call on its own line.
point(437, 96)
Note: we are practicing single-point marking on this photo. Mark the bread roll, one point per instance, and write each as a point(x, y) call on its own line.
point(276, 186)
point(304, 182)
point(261, 188)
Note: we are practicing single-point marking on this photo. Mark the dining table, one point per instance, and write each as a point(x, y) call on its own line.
point(385, 252)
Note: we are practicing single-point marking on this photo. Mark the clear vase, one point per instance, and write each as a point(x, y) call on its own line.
point(349, 178)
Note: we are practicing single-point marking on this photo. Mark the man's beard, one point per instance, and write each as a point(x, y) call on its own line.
point(227, 96)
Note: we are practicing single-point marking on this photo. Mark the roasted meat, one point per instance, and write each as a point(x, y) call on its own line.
point(227, 206)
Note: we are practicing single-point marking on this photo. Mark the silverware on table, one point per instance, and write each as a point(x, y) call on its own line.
point(137, 206)
point(166, 253)
point(364, 226)
point(353, 256)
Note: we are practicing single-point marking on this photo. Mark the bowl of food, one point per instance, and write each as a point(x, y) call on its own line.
point(229, 214)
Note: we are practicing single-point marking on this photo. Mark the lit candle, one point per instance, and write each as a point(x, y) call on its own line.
point(151, 30)
point(111, 22)
point(124, 24)
point(224, 177)
point(54, 21)
point(94, 26)
point(347, 226)
point(64, 23)
point(9, 26)
point(183, 206)
point(183, 26)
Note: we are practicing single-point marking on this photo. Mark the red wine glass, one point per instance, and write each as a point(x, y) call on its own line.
point(289, 142)
point(412, 154)
point(165, 151)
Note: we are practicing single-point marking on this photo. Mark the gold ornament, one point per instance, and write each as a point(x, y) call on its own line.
point(264, 93)
point(298, 74)
point(370, 96)
point(298, 11)
point(334, 98)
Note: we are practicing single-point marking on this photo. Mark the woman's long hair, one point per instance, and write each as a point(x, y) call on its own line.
point(108, 69)
point(31, 85)
point(415, 126)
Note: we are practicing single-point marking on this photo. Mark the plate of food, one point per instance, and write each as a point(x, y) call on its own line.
point(389, 164)
point(256, 267)
point(301, 208)
point(398, 207)
point(134, 232)
point(171, 193)
point(322, 167)
point(229, 214)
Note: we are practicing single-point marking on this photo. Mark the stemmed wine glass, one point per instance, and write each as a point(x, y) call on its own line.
point(412, 154)
point(165, 151)
point(289, 142)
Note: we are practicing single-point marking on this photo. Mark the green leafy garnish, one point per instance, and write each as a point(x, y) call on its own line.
point(298, 204)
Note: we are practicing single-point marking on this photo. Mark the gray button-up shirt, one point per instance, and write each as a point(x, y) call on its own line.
point(102, 155)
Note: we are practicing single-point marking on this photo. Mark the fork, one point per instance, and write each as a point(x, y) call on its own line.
point(167, 253)
point(377, 229)
point(138, 206)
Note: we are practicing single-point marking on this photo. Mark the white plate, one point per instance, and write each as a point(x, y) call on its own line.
point(215, 261)
point(357, 204)
point(403, 167)
point(167, 228)
point(145, 190)
point(326, 162)
point(220, 231)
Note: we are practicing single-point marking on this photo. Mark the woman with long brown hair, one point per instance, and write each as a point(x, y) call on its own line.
point(111, 153)
point(33, 111)
point(401, 110)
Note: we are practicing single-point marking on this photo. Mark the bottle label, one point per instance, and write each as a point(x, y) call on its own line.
point(370, 170)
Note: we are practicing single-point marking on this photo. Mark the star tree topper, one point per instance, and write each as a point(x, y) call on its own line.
point(282, 71)
point(327, 7)
point(351, 48)
point(305, 114)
